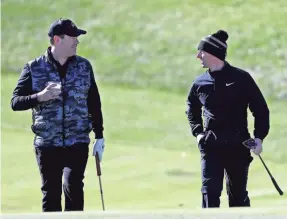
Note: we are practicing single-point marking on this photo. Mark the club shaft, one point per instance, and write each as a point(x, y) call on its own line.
point(101, 190)
point(272, 178)
point(265, 166)
point(99, 173)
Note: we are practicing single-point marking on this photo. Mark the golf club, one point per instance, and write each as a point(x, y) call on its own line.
point(250, 144)
point(99, 173)
point(272, 178)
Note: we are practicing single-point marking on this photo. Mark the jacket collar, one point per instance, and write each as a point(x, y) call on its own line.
point(49, 58)
point(219, 73)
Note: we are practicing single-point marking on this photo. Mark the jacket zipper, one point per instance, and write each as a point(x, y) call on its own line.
point(63, 112)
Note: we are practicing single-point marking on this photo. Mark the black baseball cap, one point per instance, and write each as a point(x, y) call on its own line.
point(65, 26)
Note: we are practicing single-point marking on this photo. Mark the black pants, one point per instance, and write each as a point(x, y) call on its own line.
point(53, 162)
point(233, 161)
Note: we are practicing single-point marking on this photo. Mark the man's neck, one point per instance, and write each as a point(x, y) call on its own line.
point(62, 60)
point(216, 66)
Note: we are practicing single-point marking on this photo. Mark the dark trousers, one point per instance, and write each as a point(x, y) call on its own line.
point(54, 162)
point(231, 161)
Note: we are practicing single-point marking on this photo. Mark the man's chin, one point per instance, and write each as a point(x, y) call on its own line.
point(74, 53)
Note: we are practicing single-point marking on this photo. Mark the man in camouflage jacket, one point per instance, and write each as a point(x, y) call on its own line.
point(60, 88)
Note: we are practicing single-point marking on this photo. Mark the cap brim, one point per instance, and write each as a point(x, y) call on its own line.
point(80, 32)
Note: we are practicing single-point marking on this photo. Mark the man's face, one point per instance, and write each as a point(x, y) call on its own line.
point(206, 58)
point(68, 45)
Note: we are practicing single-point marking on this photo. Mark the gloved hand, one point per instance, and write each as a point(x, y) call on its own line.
point(99, 146)
point(206, 138)
point(199, 136)
point(258, 148)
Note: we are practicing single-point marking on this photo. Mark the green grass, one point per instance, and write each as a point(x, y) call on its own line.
point(143, 53)
point(150, 162)
point(153, 43)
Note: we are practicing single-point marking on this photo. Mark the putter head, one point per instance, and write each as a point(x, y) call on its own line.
point(249, 143)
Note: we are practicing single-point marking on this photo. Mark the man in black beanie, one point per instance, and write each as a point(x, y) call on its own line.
point(224, 93)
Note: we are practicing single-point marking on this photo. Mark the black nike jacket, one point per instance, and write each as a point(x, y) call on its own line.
point(222, 98)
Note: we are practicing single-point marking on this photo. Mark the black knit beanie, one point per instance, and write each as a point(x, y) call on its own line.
point(215, 44)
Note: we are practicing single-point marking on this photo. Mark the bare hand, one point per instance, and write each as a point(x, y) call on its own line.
point(52, 91)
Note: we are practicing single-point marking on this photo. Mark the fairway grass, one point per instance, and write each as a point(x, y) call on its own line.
point(234, 213)
point(150, 162)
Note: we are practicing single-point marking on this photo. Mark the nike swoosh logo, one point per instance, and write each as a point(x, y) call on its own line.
point(229, 84)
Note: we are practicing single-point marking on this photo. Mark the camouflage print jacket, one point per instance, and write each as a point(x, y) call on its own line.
point(64, 121)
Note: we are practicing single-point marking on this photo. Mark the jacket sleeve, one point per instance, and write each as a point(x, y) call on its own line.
point(259, 109)
point(23, 97)
point(194, 112)
point(95, 108)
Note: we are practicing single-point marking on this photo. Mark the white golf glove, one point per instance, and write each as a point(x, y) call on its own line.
point(99, 146)
point(199, 136)
point(258, 148)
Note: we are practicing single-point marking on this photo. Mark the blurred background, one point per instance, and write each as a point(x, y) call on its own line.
point(144, 58)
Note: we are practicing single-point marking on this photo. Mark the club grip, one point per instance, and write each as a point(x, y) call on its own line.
point(99, 173)
point(276, 186)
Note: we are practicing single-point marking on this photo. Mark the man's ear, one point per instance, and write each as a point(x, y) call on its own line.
point(56, 39)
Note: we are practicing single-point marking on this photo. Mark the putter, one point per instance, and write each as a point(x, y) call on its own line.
point(99, 173)
point(250, 144)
